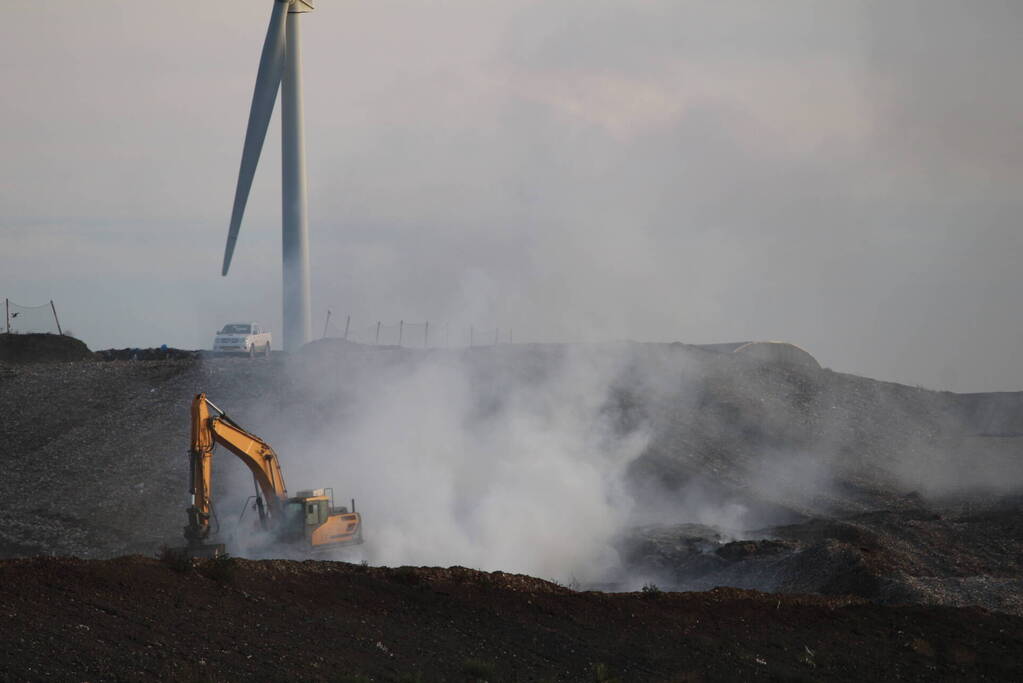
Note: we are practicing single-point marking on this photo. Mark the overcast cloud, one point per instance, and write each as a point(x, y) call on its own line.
point(845, 176)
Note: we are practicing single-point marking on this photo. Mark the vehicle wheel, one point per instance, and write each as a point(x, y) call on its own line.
point(266, 350)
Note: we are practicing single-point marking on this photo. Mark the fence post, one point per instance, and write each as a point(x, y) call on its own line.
point(401, 330)
point(497, 337)
point(510, 336)
point(377, 342)
point(337, 377)
point(348, 321)
point(325, 323)
point(7, 314)
point(471, 331)
point(55, 319)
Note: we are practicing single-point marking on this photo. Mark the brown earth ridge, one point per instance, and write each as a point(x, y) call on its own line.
point(134, 618)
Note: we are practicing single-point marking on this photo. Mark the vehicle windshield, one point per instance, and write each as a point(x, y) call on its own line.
point(294, 520)
point(236, 328)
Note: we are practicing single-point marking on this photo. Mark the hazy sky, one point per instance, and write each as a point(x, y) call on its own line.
point(845, 176)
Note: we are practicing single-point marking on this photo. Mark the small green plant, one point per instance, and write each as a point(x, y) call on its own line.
point(221, 568)
point(602, 674)
point(478, 670)
point(175, 558)
point(416, 677)
point(406, 575)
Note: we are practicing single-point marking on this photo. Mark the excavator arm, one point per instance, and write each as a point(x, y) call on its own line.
point(208, 430)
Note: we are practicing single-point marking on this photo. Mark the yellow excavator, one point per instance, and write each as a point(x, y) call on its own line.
point(308, 522)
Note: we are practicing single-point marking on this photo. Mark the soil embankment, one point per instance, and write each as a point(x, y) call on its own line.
point(140, 619)
point(42, 348)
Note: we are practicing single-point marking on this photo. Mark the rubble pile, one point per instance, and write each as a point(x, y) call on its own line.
point(961, 558)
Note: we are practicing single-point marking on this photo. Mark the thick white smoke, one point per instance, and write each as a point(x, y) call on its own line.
point(490, 469)
point(527, 458)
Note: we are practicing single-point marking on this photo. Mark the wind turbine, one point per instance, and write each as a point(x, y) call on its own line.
point(280, 67)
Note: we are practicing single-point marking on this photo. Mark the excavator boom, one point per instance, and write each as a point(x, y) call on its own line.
point(209, 430)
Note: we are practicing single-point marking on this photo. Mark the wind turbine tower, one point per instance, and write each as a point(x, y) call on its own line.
point(280, 68)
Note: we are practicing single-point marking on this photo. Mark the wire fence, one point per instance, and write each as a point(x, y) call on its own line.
point(403, 333)
point(19, 319)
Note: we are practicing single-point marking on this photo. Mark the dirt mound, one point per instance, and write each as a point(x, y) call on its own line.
point(134, 618)
point(41, 348)
point(156, 353)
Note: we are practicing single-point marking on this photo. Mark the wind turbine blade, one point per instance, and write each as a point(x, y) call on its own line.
point(268, 81)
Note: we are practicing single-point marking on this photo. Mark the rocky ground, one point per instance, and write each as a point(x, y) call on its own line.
point(753, 475)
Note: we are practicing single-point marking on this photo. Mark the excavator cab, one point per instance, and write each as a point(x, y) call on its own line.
point(324, 526)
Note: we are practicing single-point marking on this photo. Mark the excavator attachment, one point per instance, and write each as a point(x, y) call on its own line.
point(204, 550)
point(197, 530)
